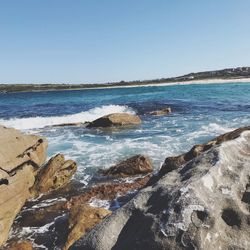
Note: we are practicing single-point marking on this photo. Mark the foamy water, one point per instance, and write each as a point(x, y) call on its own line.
point(200, 112)
point(85, 116)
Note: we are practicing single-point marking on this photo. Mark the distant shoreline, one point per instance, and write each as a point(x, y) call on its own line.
point(198, 82)
point(105, 86)
point(231, 75)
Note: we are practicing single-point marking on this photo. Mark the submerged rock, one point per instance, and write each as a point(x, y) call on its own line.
point(40, 216)
point(161, 112)
point(71, 124)
point(138, 164)
point(201, 204)
point(82, 218)
point(20, 157)
point(55, 174)
point(115, 120)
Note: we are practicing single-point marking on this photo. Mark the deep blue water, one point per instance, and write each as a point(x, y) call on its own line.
point(200, 112)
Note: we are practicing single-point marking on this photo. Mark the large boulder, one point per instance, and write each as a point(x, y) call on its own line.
point(55, 174)
point(115, 120)
point(138, 164)
point(20, 157)
point(201, 204)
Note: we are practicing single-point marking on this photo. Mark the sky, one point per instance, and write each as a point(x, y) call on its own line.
point(90, 41)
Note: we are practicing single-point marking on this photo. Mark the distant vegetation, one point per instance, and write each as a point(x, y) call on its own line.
point(232, 73)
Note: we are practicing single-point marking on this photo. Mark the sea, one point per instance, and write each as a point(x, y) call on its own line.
point(199, 113)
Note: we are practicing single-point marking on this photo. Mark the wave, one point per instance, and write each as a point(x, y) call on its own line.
point(211, 129)
point(41, 122)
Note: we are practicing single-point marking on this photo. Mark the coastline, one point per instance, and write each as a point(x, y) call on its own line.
point(197, 82)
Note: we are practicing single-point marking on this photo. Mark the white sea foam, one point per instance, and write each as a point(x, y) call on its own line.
point(99, 203)
point(210, 129)
point(41, 122)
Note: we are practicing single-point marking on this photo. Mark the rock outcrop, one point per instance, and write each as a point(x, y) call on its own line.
point(55, 174)
point(20, 158)
point(23, 175)
point(203, 203)
point(161, 112)
point(138, 164)
point(115, 120)
point(82, 218)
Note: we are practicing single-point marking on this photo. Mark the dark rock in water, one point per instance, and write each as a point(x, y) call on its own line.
point(39, 217)
point(115, 120)
point(82, 218)
point(201, 204)
point(55, 174)
point(161, 112)
point(138, 164)
point(72, 124)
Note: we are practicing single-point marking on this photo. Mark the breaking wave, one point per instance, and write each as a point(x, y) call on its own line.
point(41, 122)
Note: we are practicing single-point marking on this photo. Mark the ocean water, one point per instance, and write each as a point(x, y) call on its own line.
point(199, 113)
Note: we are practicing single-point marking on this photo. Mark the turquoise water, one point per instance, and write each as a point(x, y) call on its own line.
point(200, 112)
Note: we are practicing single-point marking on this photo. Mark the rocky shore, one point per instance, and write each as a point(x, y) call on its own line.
point(198, 200)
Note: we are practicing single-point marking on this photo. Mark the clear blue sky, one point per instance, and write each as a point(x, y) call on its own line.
point(78, 41)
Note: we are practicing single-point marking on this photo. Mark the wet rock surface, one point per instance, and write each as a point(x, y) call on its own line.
point(138, 164)
point(72, 124)
point(109, 191)
point(115, 120)
point(201, 204)
point(82, 218)
point(55, 174)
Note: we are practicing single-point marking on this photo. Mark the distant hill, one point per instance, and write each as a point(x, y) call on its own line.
point(240, 72)
point(225, 74)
